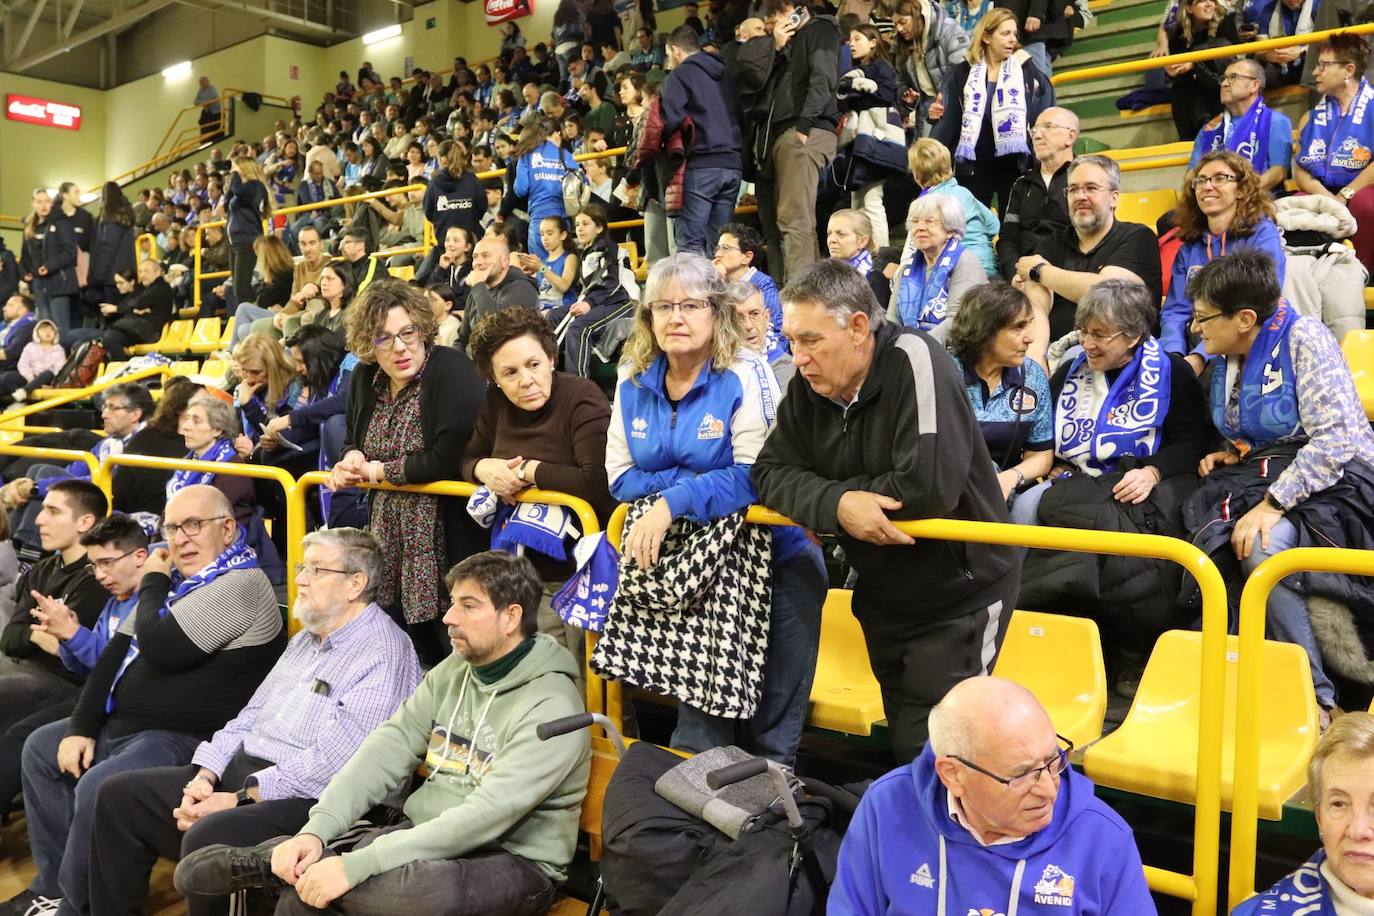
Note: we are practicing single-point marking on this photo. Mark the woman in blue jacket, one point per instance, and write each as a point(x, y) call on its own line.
point(692, 408)
point(248, 204)
point(1221, 208)
point(539, 170)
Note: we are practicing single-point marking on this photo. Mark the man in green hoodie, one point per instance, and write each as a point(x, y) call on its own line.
point(492, 825)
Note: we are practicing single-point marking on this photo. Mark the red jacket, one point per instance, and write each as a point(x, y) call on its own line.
point(667, 156)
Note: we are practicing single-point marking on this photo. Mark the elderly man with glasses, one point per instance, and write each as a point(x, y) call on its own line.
point(1095, 246)
point(1248, 126)
point(205, 633)
point(1039, 205)
point(990, 819)
point(347, 670)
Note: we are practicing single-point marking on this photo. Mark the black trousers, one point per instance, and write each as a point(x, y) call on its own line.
point(991, 179)
point(134, 827)
point(12, 742)
point(916, 665)
point(242, 260)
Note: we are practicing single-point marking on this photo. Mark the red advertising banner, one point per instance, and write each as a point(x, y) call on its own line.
point(41, 111)
point(505, 10)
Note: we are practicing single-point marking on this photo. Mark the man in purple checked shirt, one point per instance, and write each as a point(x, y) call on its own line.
point(344, 673)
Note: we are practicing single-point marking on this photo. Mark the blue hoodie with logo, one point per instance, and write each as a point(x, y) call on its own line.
point(904, 854)
point(539, 179)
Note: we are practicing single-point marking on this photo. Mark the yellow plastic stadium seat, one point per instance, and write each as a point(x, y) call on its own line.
point(215, 368)
point(206, 336)
point(186, 367)
point(845, 695)
point(176, 336)
point(1145, 207)
point(226, 339)
point(1059, 659)
point(631, 249)
point(1358, 347)
point(1154, 752)
point(110, 370)
point(406, 273)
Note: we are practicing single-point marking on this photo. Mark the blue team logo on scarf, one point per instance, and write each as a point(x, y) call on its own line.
point(1247, 135)
point(584, 600)
point(1268, 401)
point(1127, 422)
point(223, 450)
point(923, 296)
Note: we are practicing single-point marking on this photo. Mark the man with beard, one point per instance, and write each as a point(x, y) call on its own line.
point(1094, 247)
point(343, 674)
point(491, 825)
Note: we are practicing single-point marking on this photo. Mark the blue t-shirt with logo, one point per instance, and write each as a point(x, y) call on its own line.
point(1018, 416)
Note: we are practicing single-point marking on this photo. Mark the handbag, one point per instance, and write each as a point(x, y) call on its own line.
point(868, 160)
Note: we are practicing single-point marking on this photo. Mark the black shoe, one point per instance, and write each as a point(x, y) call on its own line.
point(27, 903)
point(219, 870)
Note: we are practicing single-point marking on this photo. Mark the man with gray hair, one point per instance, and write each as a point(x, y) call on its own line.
point(1095, 246)
point(1248, 126)
point(884, 430)
point(990, 818)
point(1038, 205)
point(347, 670)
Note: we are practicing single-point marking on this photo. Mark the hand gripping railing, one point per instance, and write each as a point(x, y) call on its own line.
point(1254, 602)
point(1201, 886)
point(586, 517)
point(81, 394)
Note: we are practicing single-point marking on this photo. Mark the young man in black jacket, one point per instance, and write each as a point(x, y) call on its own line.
point(878, 422)
point(794, 74)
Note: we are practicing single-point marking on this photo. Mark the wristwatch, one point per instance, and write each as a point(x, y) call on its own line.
point(1347, 193)
point(520, 471)
point(242, 798)
point(1273, 503)
point(1020, 478)
point(1034, 272)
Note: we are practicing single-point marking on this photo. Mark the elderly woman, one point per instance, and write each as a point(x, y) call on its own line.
point(209, 425)
point(538, 428)
point(412, 407)
point(1221, 207)
point(989, 338)
point(931, 168)
point(936, 269)
point(1336, 139)
point(1129, 427)
point(1298, 466)
point(1339, 878)
point(990, 102)
point(692, 408)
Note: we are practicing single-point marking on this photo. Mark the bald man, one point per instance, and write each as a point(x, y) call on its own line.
point(989, 819)
point(207, 630)
point(1039, 205)
point(494, 285)
point(1248, 126)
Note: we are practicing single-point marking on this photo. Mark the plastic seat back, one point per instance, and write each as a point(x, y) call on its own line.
point(1358, 347)
point(207, 332)
point(1154, 752)
point(226, 339)
point(215, 368)
point(845, 696)
point(406, 273)
point(1145, 207)
point(1059, 659)
point(186, 367)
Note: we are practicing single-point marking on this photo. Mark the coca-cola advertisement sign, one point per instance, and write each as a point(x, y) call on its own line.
point(42, 111)
point(505, 10)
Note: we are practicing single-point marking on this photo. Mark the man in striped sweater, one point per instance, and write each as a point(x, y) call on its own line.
point(206, 632)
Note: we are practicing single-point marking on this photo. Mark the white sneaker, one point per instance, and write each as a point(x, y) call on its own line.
point(43, 906)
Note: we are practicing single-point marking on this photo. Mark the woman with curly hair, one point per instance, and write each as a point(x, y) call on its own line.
point(1222, 208)
point(1195, 87)
point(411, 409)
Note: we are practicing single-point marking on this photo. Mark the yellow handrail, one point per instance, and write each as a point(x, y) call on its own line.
point(1254, 600)
point(65, 456)
point(81, 394)
point(1201, 886)
point(1187, 57)
point(294, 534)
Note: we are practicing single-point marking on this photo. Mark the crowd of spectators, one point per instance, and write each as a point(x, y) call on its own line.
point(1019, 354)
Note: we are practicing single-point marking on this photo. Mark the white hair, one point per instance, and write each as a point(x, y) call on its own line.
point(942, 206)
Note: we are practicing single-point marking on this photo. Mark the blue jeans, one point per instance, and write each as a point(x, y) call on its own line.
point(59, 809)
point(58, 310)
point(1041, 56)
point(794, 633)
point(1286, 617)
point(708, 202)
point(1025, 506)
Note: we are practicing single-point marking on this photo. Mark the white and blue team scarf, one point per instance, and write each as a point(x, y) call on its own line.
point(1095, 427)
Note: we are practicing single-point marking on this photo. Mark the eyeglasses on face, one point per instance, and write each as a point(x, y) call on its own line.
point(1092, 190)
point(722, 246)
point(407, 336)
point(191, 527)
point(1237, 77)
point(1200, 320)
point(112, 408)
point(311, 571)
point(1323, 64)
point(1042, 128)
point(662, 308)
point(1093, 337)
point(1216, 181)
point(1023, 781)
point(107, 563)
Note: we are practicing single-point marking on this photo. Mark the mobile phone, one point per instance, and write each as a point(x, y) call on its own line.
point(797, 16)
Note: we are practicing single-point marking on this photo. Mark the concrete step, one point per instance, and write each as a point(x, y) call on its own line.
point(1145, 24)
point(1094, 50)
point(1113, 86)
point(1128, 9)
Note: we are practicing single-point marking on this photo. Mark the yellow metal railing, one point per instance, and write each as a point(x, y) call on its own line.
point(63, 456)
point(1200, 887)
point(1254, 600)
point(80, 394)
point(294, 533)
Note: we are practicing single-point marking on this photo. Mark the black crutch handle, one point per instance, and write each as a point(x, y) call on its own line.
point(563, 726)
point(736, 772)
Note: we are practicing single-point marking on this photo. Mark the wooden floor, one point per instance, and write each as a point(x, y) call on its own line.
point(17, 869)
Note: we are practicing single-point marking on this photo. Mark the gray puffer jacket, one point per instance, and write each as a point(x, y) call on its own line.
point(942, 46)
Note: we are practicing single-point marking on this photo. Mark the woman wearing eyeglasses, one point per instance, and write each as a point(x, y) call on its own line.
point(1297, 469)
point(936, 269)
point(692, 408)
point(1221, 208)
point(412, 407)
point(1336, 139)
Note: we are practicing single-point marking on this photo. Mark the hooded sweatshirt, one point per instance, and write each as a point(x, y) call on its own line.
point(488, 780)
point(904, 853)
point(696, 89)
point(455, 200)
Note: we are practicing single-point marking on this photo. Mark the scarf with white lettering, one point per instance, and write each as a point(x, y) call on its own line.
point(1096, 426)
point(1008, 110)
point(1246, 136)
point(1335, 148)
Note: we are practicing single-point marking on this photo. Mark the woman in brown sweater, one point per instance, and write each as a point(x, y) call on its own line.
point(537, 428)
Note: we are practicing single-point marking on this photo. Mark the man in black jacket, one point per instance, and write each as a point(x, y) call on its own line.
point(795, 72)
point(9, 273)
point(695, 89)
point(181, 666)
point(494, 285)
point(1039, 203)
point(878, 422)
point(138, 319)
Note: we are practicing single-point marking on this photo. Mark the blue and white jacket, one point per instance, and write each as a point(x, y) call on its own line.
point(697, 455)
point(80, 652)
point(539, 179)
